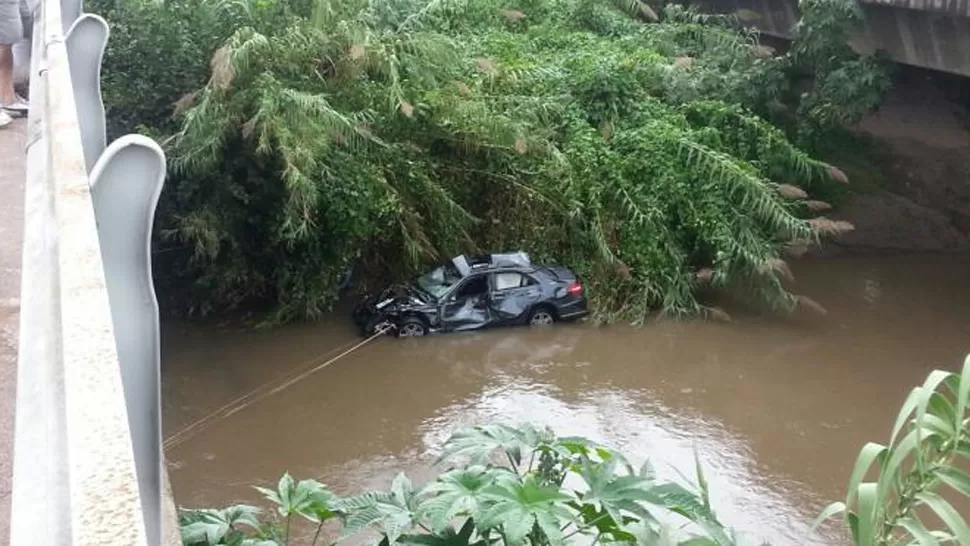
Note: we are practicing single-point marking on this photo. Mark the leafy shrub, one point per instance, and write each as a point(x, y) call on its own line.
point(394, 134)
point(506, 486)
point(844, 86)
point(158, 52)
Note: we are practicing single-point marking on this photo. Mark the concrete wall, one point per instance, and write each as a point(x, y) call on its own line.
point(926, 33)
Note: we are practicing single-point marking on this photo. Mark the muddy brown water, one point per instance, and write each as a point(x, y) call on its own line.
point(776, 410)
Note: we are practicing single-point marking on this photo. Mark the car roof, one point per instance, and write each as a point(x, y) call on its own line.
point(492, 262)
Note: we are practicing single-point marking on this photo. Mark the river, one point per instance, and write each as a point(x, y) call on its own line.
point(776, 410)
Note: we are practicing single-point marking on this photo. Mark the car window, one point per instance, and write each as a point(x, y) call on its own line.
point(505, 281)
point(439, 281)
point(472, 287)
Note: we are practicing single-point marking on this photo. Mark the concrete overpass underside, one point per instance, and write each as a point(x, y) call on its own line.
point(932, 34)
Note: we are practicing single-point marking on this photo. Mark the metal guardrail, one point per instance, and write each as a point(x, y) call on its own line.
point(75, 476)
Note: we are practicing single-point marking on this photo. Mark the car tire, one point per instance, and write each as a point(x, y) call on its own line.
point(541, 316)
point(412, 327)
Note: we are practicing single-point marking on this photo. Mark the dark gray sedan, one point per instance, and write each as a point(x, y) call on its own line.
point(468, 294)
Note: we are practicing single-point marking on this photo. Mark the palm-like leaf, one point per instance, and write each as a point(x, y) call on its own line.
point(214, 527)
point(460, 492)
point(478, 444)
point(922, 460)
point(519, 508)
point(391, 513)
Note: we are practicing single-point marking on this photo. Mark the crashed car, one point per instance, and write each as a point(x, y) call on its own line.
point(468, 294)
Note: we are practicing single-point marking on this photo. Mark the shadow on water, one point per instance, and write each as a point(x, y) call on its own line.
point(776, 410)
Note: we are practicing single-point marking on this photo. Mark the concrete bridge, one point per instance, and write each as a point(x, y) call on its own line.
point(931, 34)
point(79, 336)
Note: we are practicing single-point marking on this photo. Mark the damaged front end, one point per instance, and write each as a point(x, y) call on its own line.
point(389, 308)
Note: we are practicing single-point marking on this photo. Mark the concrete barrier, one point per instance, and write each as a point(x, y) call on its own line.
point(75, 479)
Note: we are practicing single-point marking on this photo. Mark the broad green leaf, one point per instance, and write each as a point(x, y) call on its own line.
point(963, 396)
point(697, 541)
point(955, 478)
point(918, 531)
point(517, 506)
point(947, 514)
point(457, 492)
point(943, 427)
point(701, 480)
point(385, 511)
point(690, 505)
point(448, 537)
point(551, 527)
point(479, 443)
point(828, 513)
point(907, 447)
point(909, 405)
point(925, 394)
point(204, 532)
point(941, 407)
point(869, 523)
point(284, 491)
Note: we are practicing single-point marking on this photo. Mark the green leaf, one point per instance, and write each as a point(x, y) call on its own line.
point(926, 392)
point(955, 478)
point(827, 514)
point(391, 513)
point(918, 531)
point(963, 396)
point(517, 507)
point(447, 537)
point(479, 443)
point(689, 505)
point(453, 493)
point(947, 514)
point(869, 524)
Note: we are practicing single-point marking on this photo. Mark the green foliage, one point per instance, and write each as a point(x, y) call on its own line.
point(157, 54)
point(916, 473)
point(844, 86)
point(388, 135)
point(511, 499)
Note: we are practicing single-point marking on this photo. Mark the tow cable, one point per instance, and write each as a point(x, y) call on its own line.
point(242, 402)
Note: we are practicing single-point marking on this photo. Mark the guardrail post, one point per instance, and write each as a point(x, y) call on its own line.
point(87, 457)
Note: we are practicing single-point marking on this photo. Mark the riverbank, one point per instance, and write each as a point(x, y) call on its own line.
point(919, 200)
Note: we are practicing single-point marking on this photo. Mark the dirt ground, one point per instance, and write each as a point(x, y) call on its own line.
point(924, 204)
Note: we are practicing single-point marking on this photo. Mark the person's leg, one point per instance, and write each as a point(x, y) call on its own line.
point(11, 32)
point(7, 95)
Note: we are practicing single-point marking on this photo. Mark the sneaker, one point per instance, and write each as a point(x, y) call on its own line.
point(5, 119)
point(18, 107)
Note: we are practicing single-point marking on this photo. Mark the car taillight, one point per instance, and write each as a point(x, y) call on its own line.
point(575, 289)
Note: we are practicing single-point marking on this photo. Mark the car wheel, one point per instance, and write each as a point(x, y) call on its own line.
point(411, 327)
point(541, 316)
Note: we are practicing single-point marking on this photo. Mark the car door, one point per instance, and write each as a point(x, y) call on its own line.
point(513, 295)
point(466, 307)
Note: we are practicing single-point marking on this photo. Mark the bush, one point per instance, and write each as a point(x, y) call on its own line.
point(522, 500)
point(386, 136)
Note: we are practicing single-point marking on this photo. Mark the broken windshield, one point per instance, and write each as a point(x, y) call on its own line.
point(439, 281)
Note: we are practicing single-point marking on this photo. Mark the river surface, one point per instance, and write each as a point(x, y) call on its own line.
point(776, 410)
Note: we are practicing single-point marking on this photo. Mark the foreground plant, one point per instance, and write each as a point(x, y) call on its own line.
point(504, 486)
point(915, 474)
